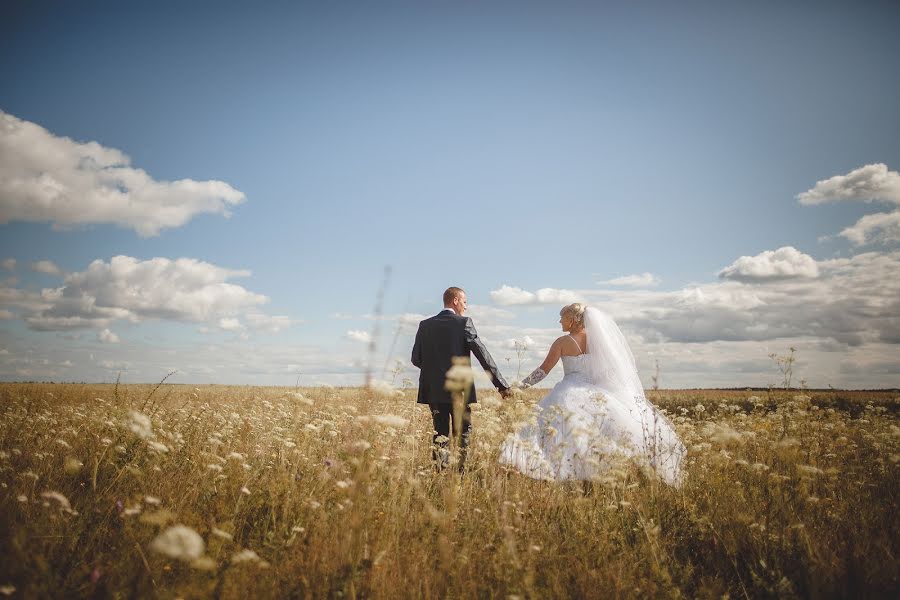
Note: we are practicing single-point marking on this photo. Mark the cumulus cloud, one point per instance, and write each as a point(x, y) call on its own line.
point(640, 280)
point(9, 264)
point(45, 266)
point(126, 288)
point(785, 263)
point(871, 183)
point(883, 228)
point(511, 296)
point(853, 301)
point(47, 178)
point(359, 336)
point(107, 337)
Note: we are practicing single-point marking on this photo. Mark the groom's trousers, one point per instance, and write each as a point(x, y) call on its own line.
point(442, 415)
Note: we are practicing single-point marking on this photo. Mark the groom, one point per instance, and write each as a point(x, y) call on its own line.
point(444, 337)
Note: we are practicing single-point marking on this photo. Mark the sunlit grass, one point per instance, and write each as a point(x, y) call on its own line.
point(271, 492)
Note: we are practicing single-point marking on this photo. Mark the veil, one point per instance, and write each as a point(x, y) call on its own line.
point(611, 366)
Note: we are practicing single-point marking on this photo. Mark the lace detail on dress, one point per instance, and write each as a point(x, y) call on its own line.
point(535, 377)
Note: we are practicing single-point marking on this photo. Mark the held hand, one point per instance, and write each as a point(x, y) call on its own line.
point(505, 393)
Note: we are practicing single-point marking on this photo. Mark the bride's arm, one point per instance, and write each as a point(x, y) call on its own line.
point(538, 374)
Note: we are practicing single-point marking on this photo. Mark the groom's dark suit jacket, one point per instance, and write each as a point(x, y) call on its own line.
point(440, 339)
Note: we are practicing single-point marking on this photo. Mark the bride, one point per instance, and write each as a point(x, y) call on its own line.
point(597, 414)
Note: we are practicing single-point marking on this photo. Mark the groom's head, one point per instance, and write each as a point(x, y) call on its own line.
point(455, 298)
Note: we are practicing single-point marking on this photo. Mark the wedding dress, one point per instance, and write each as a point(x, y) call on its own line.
point(595, 417)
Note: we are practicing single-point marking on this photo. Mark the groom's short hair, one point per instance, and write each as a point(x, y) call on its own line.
point(451, 294)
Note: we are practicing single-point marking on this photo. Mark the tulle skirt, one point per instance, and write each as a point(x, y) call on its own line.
point(581, 431)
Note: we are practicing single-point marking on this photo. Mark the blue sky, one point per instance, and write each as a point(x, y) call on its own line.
point(482, 144)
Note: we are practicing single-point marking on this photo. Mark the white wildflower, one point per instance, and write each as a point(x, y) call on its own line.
point(59, 498)
point(222, 534)
point(157, 446)
point(204, 563)
point(152, 500)
point(140, 424)
point(245, 491)
point(214, 467)
point(179, 542)
point(391, 420)
point(72, 466)
point(247, 555)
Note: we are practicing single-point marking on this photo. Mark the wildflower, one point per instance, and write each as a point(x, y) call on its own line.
point(460, 376)
point(724, 435)
point(63, 443)
point(247, 555)
point(214, 467)
point(140, 424)
point(343, 484)
point(72, 466)
point(236, 456)
point(204, 563)
point(383, 388)
point(8, 590)
point(151, 500)
point(59, 498)
point(179, 542)
point(219, 533)
point(390, 420)
point(157, 446)
point(245, 491)
point(361, 446)
point(809, 470)
point(297, 529)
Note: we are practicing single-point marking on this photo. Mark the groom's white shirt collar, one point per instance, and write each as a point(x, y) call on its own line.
point(451, 309)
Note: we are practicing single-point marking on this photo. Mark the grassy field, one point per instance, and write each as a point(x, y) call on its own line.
point(249, 492)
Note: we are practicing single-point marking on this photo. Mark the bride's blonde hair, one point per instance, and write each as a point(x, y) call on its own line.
point(576, 309)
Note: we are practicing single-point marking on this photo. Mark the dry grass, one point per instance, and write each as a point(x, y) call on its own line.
point(785, 496)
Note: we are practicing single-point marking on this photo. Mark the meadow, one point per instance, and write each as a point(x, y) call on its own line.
point(249, 492)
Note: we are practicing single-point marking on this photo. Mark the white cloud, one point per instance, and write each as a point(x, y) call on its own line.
point(6, 315)
point(641, 280)
point(47, 178)
point(134, 290)
point(270, 323)
point(511, 296)
point(45, 266)
point(9, 264)
point(854, 301)
point(881, 228)
point(358, 336)
point(871, 183)
point(784, 263)
point(483, 312)
point(107, 337)
point(230, 324)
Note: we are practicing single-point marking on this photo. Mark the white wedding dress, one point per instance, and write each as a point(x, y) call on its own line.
point(596, 417)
